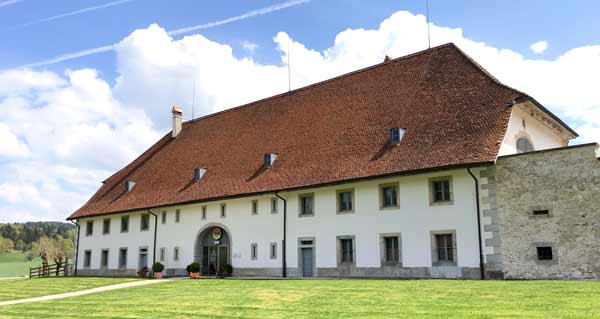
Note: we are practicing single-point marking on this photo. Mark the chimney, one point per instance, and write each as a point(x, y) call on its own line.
point(177, 113)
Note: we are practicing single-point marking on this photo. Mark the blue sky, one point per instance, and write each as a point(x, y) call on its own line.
point(65, 127)
point(504, 24)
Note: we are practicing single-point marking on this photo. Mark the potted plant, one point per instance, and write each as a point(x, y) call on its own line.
point(193, 270)
point(157, 269)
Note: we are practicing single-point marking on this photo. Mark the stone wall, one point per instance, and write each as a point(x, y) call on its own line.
point(564, 182)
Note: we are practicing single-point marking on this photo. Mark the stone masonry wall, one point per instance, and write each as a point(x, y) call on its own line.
point(566, 183)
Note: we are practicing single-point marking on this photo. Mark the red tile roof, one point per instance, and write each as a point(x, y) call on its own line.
point(454, 114)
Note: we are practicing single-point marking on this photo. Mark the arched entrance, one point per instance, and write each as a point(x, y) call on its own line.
point(213, 248)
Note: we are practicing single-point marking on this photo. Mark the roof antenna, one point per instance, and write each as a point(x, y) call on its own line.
point(428, 32)
point(193, 98)
point(289, 67)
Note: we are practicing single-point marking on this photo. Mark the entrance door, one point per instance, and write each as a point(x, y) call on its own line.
point(223, 256)
point(214, 257)
point(307, 262)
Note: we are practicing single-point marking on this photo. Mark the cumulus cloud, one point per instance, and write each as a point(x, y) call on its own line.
point(70, 131)
point(539, 47)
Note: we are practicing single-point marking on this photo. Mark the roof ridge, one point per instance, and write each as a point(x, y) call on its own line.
point(338, 77)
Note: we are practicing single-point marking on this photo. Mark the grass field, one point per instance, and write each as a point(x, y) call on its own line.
point(11, 289)
point(15, 264)
point(331, 299)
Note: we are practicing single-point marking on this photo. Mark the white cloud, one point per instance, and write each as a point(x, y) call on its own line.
point(250, 47)
point(78, 129)
point(11, 146)
point(539, 47)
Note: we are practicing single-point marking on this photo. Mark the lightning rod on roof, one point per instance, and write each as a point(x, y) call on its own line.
point(289, 67)
point(427, 18)
point(193, 98)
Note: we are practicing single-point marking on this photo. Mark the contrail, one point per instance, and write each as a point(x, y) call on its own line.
point(246, 15)
point(106, 48)
point(72, 13)
point(9, 2)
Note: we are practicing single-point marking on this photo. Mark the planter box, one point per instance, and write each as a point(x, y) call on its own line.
point(158, 275)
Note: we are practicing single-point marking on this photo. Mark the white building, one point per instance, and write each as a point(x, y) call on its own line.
point(389, 171)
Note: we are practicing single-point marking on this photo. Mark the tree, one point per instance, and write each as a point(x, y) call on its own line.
point(7, 245)
point(56, 250)
point(20, 245)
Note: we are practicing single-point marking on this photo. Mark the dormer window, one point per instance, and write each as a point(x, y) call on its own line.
point(198, 173)
point(269, 159)
point(396, 135)
point(129, 186)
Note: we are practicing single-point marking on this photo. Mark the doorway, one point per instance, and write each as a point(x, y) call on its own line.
point(306, 257)
point(213, 250)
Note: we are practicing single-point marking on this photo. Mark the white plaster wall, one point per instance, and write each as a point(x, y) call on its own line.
point(541, 136)
point(414, 220)
point(133, 240)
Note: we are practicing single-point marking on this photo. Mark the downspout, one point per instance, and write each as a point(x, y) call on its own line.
point(154, 244)
point(481, 266)
point(283, 251)
point(76, 248)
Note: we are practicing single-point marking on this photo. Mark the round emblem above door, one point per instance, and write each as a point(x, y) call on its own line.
point(216, 233)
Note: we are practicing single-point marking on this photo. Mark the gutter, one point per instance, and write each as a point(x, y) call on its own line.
point(154, 244)
point(481, 265)
point(76, 248)
point(283, 248)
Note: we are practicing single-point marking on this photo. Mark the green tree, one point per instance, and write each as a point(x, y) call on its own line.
point(7, 245)
point(20, 245)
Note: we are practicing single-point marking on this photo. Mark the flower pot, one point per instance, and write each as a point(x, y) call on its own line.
point(158, 275)
point(195, 275)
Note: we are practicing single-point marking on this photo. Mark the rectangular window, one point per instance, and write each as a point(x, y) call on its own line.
point(163, 217)
point(388, 196)
point(223, 210)
point(123, 258)
point(143, 258)
point(163, 254)
point(345, 201)
point(124, 224)
point(391, 249)
point(544, 253)
point(104, 258)
point(445, 247)
point(106, 226)
point(307, 204)
point(441, 191)
point(176, 253)
point(541, 212)
point(273, 249)
point(203, 212)
point(253, 251)
point(273, 205)
point(177, 215)
point(254, 207)
point(145, 222)
point(89, 228)
point(347, 250)
point(87, 258)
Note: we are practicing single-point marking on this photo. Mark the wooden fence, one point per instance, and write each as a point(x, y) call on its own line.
point(51, 270)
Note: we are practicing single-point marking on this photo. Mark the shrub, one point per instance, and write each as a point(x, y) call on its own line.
point(158, 267)
point(193, 267)
point(226, 270)
point(143, 272)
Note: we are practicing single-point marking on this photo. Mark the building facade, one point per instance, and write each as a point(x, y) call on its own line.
point(427, 193)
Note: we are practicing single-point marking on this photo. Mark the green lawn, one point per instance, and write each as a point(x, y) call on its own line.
point(11, 289)
point(15, 264)
point(331, 299)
